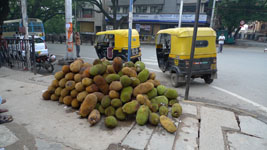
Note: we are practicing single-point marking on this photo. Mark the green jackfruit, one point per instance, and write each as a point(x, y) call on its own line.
point(153, 93)
point(126, 94)
point(163, 110)
point(141, 98)
point(142, 115)
point(130, 107)
point(116, 103)
point(125, 81)
point(140, 66)
point(105, 102)
point(110, 111)
point(120, 115)
point(135, 81)
point(154, 119)
point(171, 93)
point(161, 89)
point(143, 75)
point(128, 64)
point(173, 101)
point(111, 122)
point(155, 107)
point(120, 73)
point(98, 69)
point(167, 124)
point(143, 88)
point(101, 109)
point(112, 77)
point(176, 110)
point(160, 100)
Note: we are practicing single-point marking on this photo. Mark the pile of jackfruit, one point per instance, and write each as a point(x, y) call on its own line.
point(116, 90)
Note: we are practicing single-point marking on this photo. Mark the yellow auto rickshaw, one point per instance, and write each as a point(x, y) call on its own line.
point(114, 43)
point(173, 47)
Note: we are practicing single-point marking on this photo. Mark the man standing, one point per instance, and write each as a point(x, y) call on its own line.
point(78, 43)
point(221, 42)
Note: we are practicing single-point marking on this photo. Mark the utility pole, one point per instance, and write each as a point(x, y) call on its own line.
point(69, 30)
point(130, 29)
point(212, 13)
point(181, 13)
point(25, 25)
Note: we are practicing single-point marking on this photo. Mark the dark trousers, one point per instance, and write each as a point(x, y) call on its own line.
point(220, 48)
point(77, 50)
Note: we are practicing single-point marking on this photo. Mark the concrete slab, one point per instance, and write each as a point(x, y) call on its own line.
point(7, 137)
point(212, 121)
point(189, 109)
point(138, 137)
point(253, 126)
point(244, 142)
point(187, 135)
point(49, 145)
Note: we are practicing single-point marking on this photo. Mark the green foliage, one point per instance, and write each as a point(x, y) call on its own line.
point(55, 25)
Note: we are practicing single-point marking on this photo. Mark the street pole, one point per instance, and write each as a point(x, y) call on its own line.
point(212, 13)
point(130, 29)
point(25, 25)
point(69, 30)
point(75, 14)
point(181, 13)
point(192, 50)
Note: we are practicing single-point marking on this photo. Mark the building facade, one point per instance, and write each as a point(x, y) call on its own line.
point(150, 16)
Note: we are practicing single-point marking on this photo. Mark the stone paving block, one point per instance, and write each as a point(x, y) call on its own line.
point(189, 109)
point(212, 121)
point(238, 141)
point(161, 140)
point(6, 137)
point(187, 134)
point(48, 145)
point(138, 137)
point(253, 126)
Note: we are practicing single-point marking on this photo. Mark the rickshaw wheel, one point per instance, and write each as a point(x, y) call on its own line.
point(208, 80)
point(174, 80)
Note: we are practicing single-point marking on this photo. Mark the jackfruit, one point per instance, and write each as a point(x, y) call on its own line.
point(97, 61)
point(163, 110)
point(110, 69)
point(173, 101)
point(74, 93)
point(171, 93)
point(81, 96)
point(70, 85)
point(155, 107)
point(101, 109)
point(55, 83)
point(130, 107)
point(92, 88)
point(129, 72)
point(111, 122)
point(98, 69)
point(128, 64)
point(143, 88)
point(66, 69)
point(64, 92)
point(135, 81)
point(54, 97)
point(51, 89)
point(160, 100)
point(113, 94)
point(176, 110)
point(153, 93)
point(109, 111)
point(161, 89)
point(125, 81)
point(120, 73)
point(77, 77)
point(115, 85)
point(58, 91)
point(120, 115)
point(88, 105)
point(75, 66)
point(86, 72)
point(69, 76)
point(141, 98)
point(154, 119)
point(126, 94)
point(79, 87)
point(142, 115)
point(101, 84)
point(75, 104)
point(155, 82)
point(140, 66)
point(94, 117)
point(112, 77)
point(117, 64)
point(46, 95)
point(105, 102)
point(167, 124)
point(59, 75)
point(152, 75)
point(67, 100)
point(86, 82)
point(116, 103)
point(143, 75)
point(62, 82)
point(60, 100)
point(99, 96)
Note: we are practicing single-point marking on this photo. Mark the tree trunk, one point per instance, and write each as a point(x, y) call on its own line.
point(236, 32)
point(115, 15)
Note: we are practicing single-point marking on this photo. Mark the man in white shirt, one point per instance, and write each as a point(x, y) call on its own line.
point(221, 42)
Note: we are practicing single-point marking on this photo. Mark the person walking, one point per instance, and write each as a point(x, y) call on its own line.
point(78, 43)
point(221, 42)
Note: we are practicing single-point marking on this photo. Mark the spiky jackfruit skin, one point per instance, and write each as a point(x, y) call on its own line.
point(141, 98)
point(163, 110)
point(81, 96)
point(62, 82)
point(114, 94)
point(59, 75)
point(167, 124)
point(64, 92)
point(70, 85)
point(58, 91)
point(120, 115)
point(110, 69)
point(125, 81)
point(161, 89)
point(129, 72)
point(86, 72)
point(99, 96)
point(115, 85)
point(117, 64)
point(142, 115)
point(155, 82)
point(126, 94)
point(88, 105)
point(94, 117)
point(143, 88)
point(135, 81)
point(97, 61)
point(65, 69)
point(110, 111)
point(54, 97)
point(55, 83)
point(155, 107)
point(60, 100)
point(75, 104)
point(130, 107)
point(46, 95)
point(154, 119)
point(77, 77)
point(67, 100)
point(51, 89)
point(74, 93)
point(98, 69)
point(143, 75)
point(173, 101)
point(176, 110)
point(105, 102)
point(140, 66)
point(112, 77)
point(79, 87)
point(92, 88)
point(75, 66)
point(160, 100)
point(153, 93)
point(69, 76)
point(171, 93)
point(128, 64)
point(120, 73)
point(152, 76)
point(86, 82)
point(101, 109)
point(116, 103)
point(101, 84)
point(111, 122)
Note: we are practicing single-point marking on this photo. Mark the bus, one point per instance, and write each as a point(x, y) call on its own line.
point(12, 28)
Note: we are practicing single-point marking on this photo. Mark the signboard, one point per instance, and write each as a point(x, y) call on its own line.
point(137, 26)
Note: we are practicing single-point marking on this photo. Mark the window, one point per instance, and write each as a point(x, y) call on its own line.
point(125, 9)
point(87, 13)
point(141, 9)
point(189, 8)
point(202, 43)
point(155, 9)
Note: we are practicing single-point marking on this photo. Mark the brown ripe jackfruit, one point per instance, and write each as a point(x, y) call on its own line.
point(97, 61)
point(54, 97)
point(152, 75)
point(59, 75)
point(167, 124)
point(110, 69)
point(55, 83)
point(155, 82)
point(79, 87)
point(81, 96)
point(99, 96)
point(51, 89)
point(74, 93)
point(113, 94)
point(66, 69)
point(143, 88)
point(62, 82)
point(46, 95)
point(58, 91)
point(129, 72)
point(70, 85)
point(86, 72)
point(69, 76)
point(141, 98)
point(117, 64)
point(75, 66)
point(60, 100)
point(75, 104)
point(64, 92)
point(86, 82)
point(67, 100)
point(92, 88)
point(115, 85)
point(101, 84)
point(130, 107)
point(94, 117)
point(88, 105)
point(77, 77)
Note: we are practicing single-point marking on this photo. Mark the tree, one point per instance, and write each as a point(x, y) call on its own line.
point(231, 12)
point(4, 9)
point(55, 25)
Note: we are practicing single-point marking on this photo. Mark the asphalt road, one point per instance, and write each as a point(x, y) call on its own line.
point(241, 79)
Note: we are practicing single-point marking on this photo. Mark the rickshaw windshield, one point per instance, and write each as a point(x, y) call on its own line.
point(164, 40)
point(105, 38)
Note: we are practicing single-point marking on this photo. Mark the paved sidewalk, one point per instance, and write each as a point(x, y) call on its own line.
point(47, 125)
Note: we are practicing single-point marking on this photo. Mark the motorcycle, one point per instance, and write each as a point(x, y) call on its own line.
point(45, 62)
